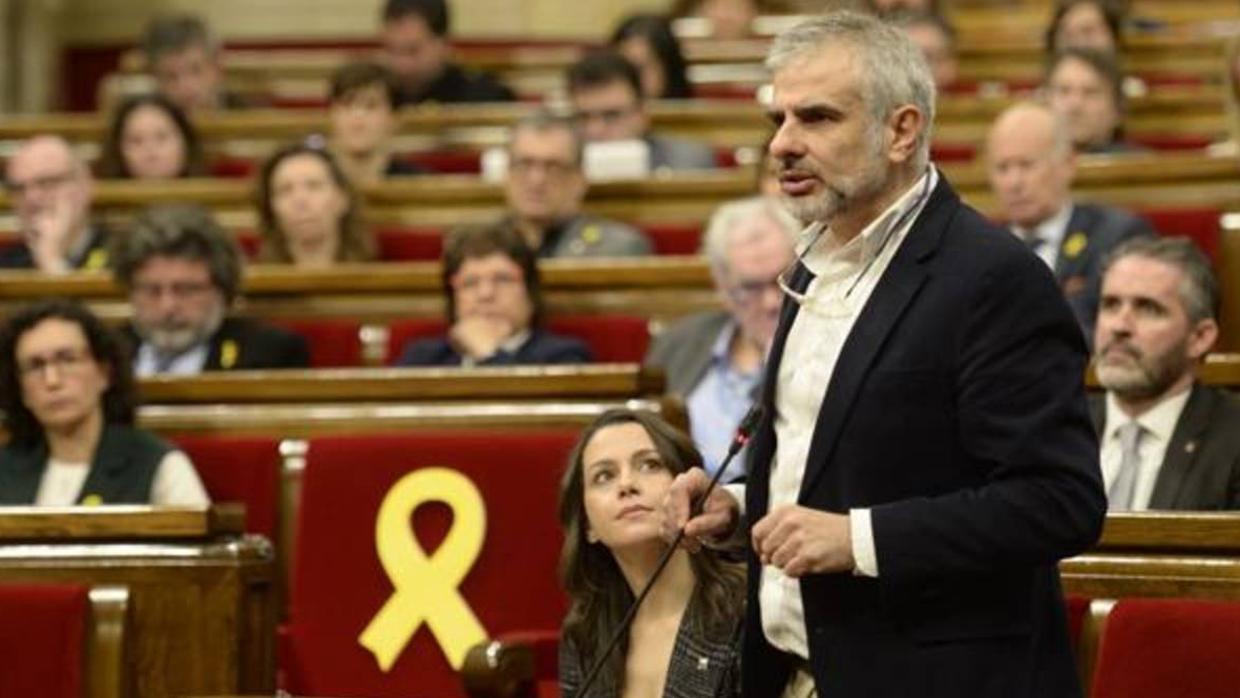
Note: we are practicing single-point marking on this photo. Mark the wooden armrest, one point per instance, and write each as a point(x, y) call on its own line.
point(499, 669)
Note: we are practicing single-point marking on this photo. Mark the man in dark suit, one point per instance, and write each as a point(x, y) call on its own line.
point(1031, 165)
point(926, 456)
point(713, 359)
point(182, 273)
point(1168, 442)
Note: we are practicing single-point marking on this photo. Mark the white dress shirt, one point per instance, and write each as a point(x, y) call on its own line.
point(176, 482)
point(1051, 232)
point(190, 362)
point(845, 276)
point(1158, 425)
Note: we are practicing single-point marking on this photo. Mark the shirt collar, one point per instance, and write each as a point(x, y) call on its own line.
point(1050, 231)
point(720, 350)
point(1160, 420)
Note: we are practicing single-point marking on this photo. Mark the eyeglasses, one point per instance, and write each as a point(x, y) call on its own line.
point(61, 360)
point(179, 290)
point(746, 292)
point(553, 168)
point(474, 282)
point(45, 183)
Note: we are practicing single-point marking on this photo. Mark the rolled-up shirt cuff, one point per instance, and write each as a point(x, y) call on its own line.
point(862, 533)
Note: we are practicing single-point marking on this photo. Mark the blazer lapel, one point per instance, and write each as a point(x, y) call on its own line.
point(1182, 450)
point(1070, 260)
point(897, 287)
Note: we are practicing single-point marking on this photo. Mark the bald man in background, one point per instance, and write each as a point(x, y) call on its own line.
point(1031, 166)
point(51, 190)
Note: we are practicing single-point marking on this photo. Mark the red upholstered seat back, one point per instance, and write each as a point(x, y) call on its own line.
point(243, 469)
point(611, 338)
point(1169, 648)
point(1201, 225)
point(339, 583)
point(671, 238)
point(1078, 608)
point(409, 244)
point(42, 630)
point(333, 343)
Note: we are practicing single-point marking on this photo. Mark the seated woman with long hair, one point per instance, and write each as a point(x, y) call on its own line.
point(309, 214)
point(149, 137)
point(685, 636)
point(647, 41)
point(68, 400)
point(494, 301)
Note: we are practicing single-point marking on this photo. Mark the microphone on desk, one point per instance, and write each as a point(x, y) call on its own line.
point(744, 432)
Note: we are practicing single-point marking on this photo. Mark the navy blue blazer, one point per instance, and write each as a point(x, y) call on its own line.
point(1093, 232)
point(541, 348)
point(956, 412)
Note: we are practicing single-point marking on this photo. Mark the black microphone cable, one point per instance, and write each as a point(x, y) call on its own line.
point(744, 431)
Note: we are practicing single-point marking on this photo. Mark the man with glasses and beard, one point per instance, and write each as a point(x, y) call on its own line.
point(182, 273)
point(1168, 442)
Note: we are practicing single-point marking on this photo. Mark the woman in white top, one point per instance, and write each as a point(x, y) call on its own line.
point(68, 399)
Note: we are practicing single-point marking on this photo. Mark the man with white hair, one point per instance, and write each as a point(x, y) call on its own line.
point(926, 456)
point(1031, 164)
point(51, 191)
point(1168, 442)
point(714, 359)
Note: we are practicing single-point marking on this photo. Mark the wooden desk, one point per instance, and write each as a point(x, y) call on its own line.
point(201, 611)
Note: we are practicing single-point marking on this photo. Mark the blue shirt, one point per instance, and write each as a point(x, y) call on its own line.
point(718, 403)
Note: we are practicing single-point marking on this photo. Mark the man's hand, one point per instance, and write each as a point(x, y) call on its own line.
point(48, 235)
point(479, 337)
point(801, 541)
point(717, 519)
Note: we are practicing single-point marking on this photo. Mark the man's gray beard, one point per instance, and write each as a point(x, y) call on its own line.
point(173, 342)
point(1145, 380)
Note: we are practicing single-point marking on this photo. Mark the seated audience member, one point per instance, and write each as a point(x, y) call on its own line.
point(1031, 166)
point(714, 359)
point(182, 273)
point(1086, 89)
point(1168, 442)
point(686, 634)
point(728, 19)
point(150, 138)
point(937, 41)
point(184, 56)
point(309, 213)
point(544, 188)
point(1087, 24)
point(648, 43)
point(494, 299)
point(68, 401)
point(417, 49)
point(606, 95)
point(363, 122)
point(51, 190)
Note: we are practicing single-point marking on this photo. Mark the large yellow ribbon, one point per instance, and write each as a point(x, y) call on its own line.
point(426, 587)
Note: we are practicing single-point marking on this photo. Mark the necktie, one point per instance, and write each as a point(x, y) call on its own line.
point(1035, 242)
point(1120, 496)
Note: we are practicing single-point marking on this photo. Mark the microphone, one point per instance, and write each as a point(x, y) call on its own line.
point(744, 432)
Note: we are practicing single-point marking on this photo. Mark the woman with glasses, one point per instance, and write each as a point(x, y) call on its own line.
point(68, 400)
point(684, 638)
point(494, 302)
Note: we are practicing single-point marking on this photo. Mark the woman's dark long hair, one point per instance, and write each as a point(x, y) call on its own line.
point(112, 160)
point(356, 242)
point(656, 31)
point(119, 401)
point(597, 590)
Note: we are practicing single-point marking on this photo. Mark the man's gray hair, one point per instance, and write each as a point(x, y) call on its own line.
point(731, 215)
point(543, 121)
point(181, 231)
point(1199, 291)
point(894, 72)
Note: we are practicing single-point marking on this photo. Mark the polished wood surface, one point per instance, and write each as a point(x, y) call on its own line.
point(108, 670)
point(43, 524)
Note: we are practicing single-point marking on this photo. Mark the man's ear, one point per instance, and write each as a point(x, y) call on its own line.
point(1201, 338)
point(904, 127)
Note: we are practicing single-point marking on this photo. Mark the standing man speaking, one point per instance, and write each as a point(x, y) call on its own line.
point(927, 456)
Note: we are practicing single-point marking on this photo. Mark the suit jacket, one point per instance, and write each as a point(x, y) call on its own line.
point(1201, 470)
point(246, 344)
point(701, 666)
point(679, 154)
point(1093, 231)
point(955, 413)
point(585, 235)
point(541, 348)
point(94, 257)
point(456, 85)
point(683, 350)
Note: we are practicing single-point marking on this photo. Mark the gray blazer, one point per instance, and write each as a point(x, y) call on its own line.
point(591, 236)
point(1201, 470)
point(683, 350)
point(679, 154)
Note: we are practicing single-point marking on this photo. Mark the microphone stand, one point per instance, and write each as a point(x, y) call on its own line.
point(743, 433)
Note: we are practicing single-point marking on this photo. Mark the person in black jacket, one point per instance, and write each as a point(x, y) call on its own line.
point(490, 278)
point(182, 273)
point(416, 48)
